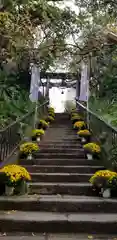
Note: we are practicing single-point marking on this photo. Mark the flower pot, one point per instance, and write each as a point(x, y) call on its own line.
point(106, 193)
point(41, 126)
point(89, 156)
point(83, 140)
point(38, 139)
point(22, 155)
point(21, 188)
point(9, 190)
point(29, 157)
point(34, 139)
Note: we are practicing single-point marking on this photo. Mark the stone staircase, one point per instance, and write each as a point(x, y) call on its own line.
point(61, 199)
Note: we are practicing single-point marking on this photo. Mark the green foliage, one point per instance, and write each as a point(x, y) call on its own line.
point(105, 108)
point(30, 31)
point(69, 105)
point(14, 100)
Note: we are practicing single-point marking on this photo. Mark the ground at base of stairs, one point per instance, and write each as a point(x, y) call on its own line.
point(45, 236)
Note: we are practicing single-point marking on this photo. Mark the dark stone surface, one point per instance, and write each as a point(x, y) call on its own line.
point(62, 169)
point(53, 222)
point(61, 188)
point(60, 177)
point(46, 236)
point(61, 155)
point(63, 197)
point(59, 203)
point(60, 162)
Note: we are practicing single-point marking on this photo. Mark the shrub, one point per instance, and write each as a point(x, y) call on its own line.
point(112, 156)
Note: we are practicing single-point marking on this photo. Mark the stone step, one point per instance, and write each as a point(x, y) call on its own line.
point(77, 155)
point(60, 162)
point(68, 141)
point(60, 128)
point(62, 140)
point(60, 188)
point(59, 145)
point(60, 177)
point(72, 139)
point(63, 134)
point(62, 169)
point(61, 131)
point(50, 222)
point(56, 236)
point(59, 203)
point(61, 150)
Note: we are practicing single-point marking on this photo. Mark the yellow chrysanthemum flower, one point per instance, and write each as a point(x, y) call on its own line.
point(51, 114)
point(106, 174)
point(51, 109)
point(50, 118)
point(76, 117)
point(37, 132)
point(43, 122)
point(28, 147)
point(84, 132)
point(92, 147)
point(79, 124)
point(15, 173)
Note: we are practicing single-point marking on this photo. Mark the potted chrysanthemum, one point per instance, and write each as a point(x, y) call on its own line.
point(92, 150)
point(49, 119)
point(37, 134)
point(102, 181)
point(13, 176)
point(79, 125)
point(43, 124)
point(21, 186)
point(75, 118)
point(51, 112)
point(27, 149)
point(51, 109)
point(85, 135)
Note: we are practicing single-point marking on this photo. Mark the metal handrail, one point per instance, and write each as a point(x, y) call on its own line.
point(94, 114)
point(22, 118)
point(102, 132)
point(10, 136)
